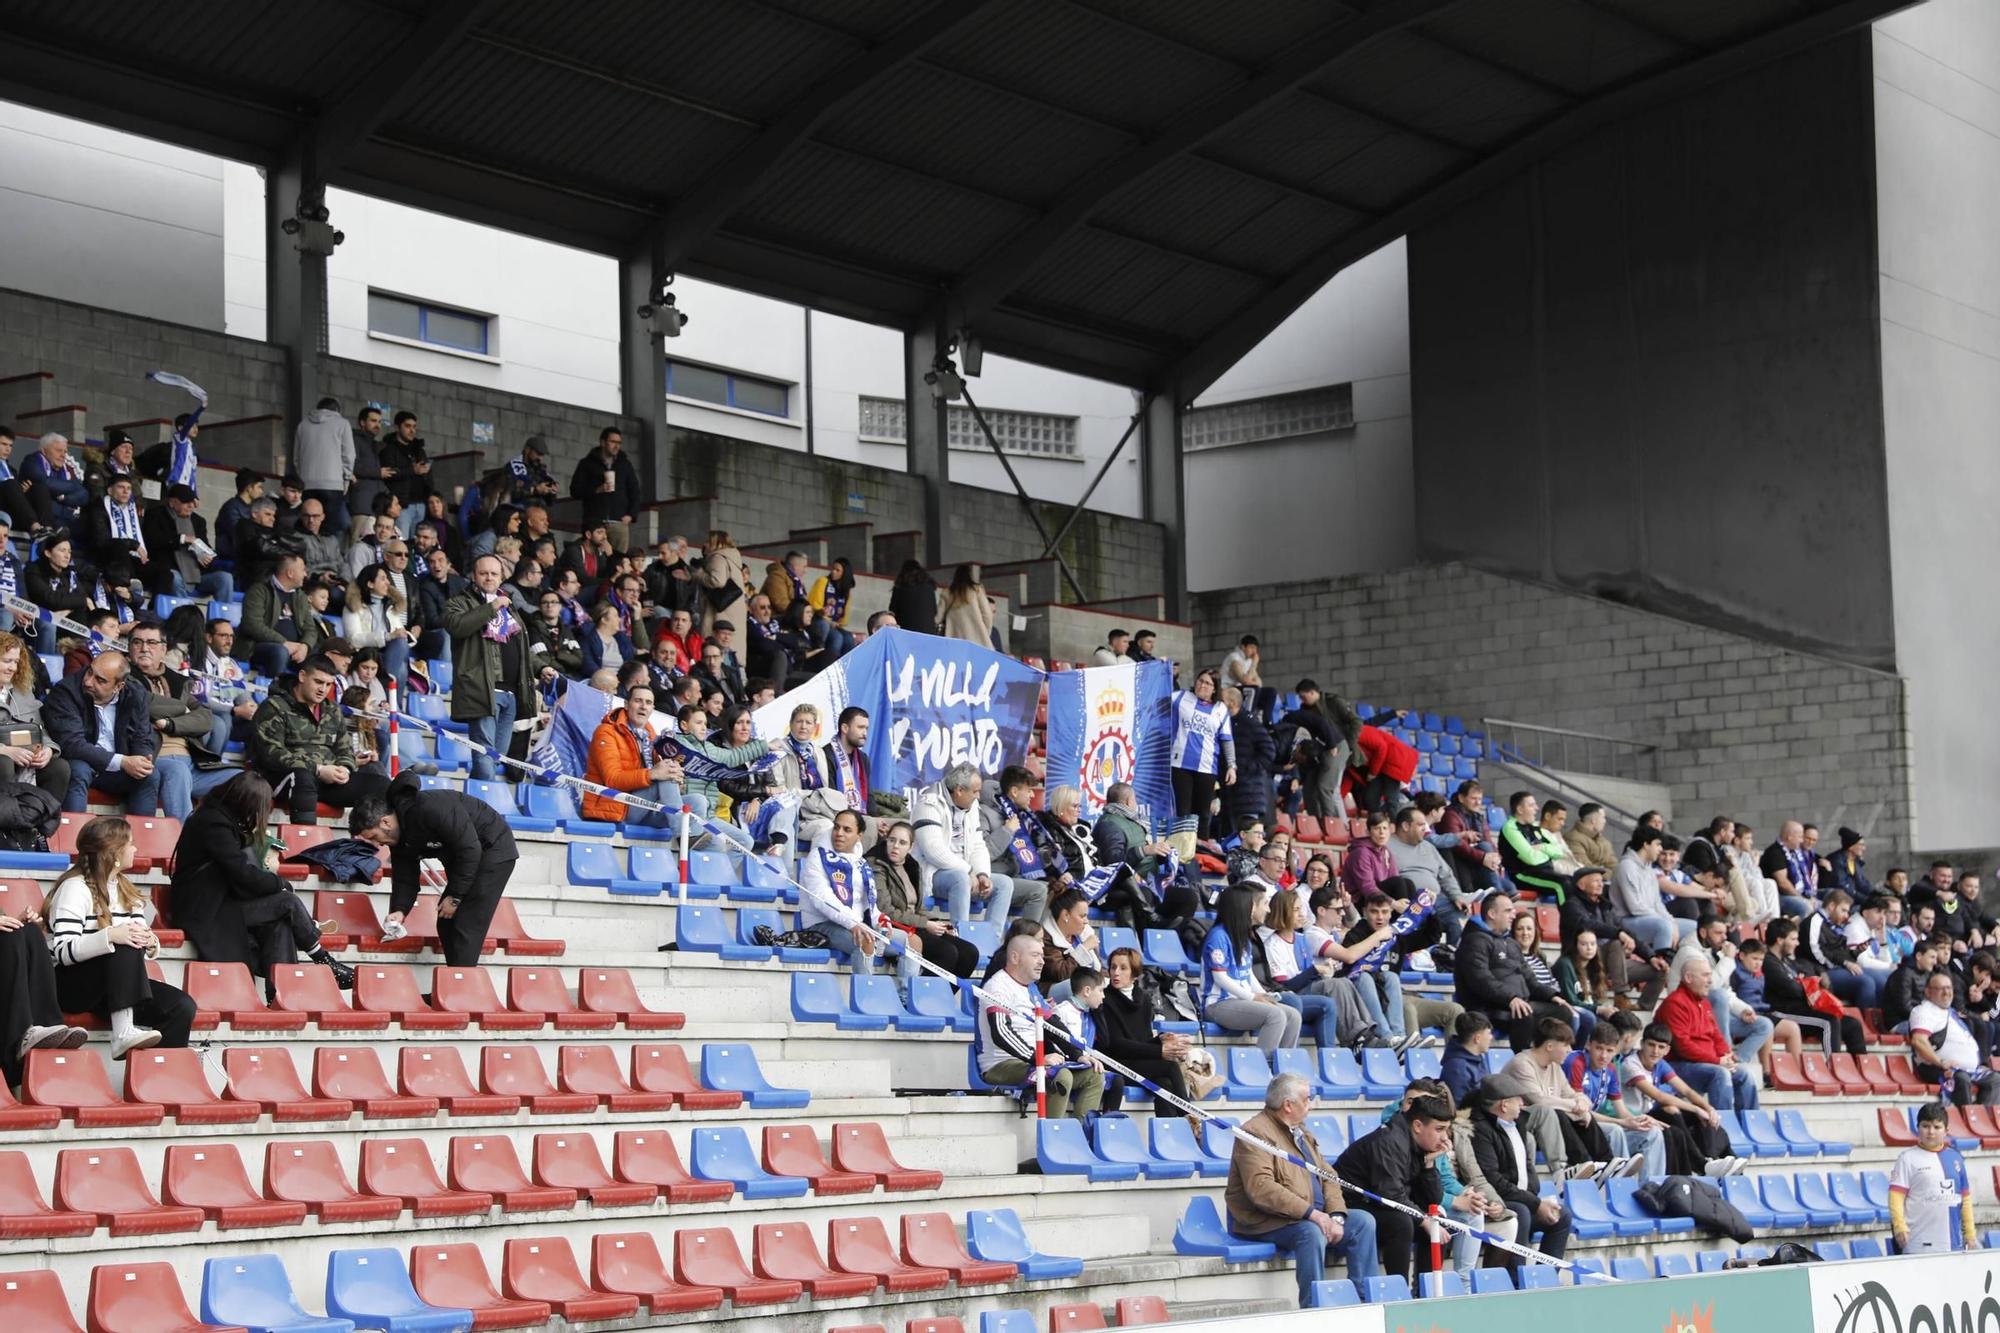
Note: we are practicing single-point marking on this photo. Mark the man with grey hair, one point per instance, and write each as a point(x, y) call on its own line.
point(60, 477)
point(1270, 1197)
point(1074, 1082)
point(951, 847)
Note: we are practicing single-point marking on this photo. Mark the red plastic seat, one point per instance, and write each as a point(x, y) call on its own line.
point(1984, 1124)
point(422, 925)
point(570, 1161)
point(455, 1276)
point(1819, 1075)
point(1876, 1070)
point(469, 991)
point(1142, 1310)
point(630, 1262)
point(265, 1075)
point(787, 1252)
point(211, 1177)
point(930, 1240)
point(648, 1157)
point(142, 1298)
point(393, 990)
point(543, 1268)
point(1904, 1073)
point(1548, 920)
point(153, 840)
point(507, 931)
point(940, 1324)
point(75, 1083)
point(105, 1181)
point(1783, 1071)
point(402, 1169)
point(609, 990)
point(597, 1071)
point(516, 1070)
point(665, 1069)
point(1960, 1128)
point(864, 1147)
point(176, 1080)
point(793, 1150)
point(708, 1257)
point(540, 990)
point(13, 1115)
point(1847, 1072)
point(18, 897)
point(355, 1074)
point(488, 1164)
point(24, 1215)
point(309, 989)
point(439, 1072)
point(861, 1245)
point(34, 1300)
point(1064, 1318)
point(230, 990)
point(354, 921)
point(1309, 831)
point(1895, 1127)
point(309, 1172)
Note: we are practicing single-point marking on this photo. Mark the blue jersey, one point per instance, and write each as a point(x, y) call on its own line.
point(1199, 731)
point(1219, 958)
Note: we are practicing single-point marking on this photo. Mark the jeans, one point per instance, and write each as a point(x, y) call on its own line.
point(1369, 996)
point(1863, 991)
point(396, 666)
point(1659, 934)
point(142, 795)
point(222, 722)
point(181, 783)
point(406, 522)
point(1650, 1144)
point(1308, 1248)
point(841, 940)
point(216, 584)
point(1791, 904)
point(495, 731)
point(1275, 1025)
point(669, 795)
point(1449, 918)
point(269, 659)
point(1749, 1035)
point(955, 887)
point(1726, 1090)
point(1391, 983)
point(1317, 1014)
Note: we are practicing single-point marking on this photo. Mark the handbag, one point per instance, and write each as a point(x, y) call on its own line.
point(1822, 999)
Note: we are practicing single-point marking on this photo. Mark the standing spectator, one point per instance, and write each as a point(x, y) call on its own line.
point(1703, 1055)
point(1398, 1161)
point(299, 736)
point(968, 611)
point(51, 470)
point(914, 598)
point(1930, 1196)
point(1587, 844)
point(1203, 747)
point(1321, 753)
point(1508, 1164)
point(406, 471)
point(99, 941)
point(323, 458)
point(1243, 667)
point(235, 512)
point(608, 487)
point(279, 626)
point(951, 848)
point(1142, 646)
point(1113, 652)
point(530, 471)
point(1290, 1197)
point(490, 684)
point(368, 478)
point(1250, 795)
point(100, 721)
point(1231, 997)
point(724, 577)
point(1379, 768)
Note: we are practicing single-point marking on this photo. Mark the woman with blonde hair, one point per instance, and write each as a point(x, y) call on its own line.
point(724, 576)
point(100, 937)
point(26, 752)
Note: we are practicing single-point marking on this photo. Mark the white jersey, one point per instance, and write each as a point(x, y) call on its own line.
point(1200, 732)
point(1932, 1184)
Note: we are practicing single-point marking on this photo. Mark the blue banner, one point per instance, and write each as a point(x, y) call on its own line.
point(1111, 724)
point(573, 722)
point(932, 702)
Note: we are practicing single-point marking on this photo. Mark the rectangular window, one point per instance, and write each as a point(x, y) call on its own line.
point(726, 388)
point(421, 321)
point(1038, 434)
point(1275, 418)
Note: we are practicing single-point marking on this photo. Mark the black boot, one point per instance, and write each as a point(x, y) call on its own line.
point(343, 975)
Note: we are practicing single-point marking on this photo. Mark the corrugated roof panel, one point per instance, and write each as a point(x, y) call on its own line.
point(1221, 28)
point(1704, 23)
point(873, 19)
point(1563, 43)
point(1423, 85)
point(1391, 170)
point(1304, 140)
point(1214, 211)
point(1110, 278)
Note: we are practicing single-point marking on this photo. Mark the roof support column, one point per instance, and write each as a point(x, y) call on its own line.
point(643, 367)
point(927, 437)
point(295, 279)
point(1163, 491)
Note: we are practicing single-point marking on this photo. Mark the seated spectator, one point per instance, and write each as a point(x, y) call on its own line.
point(279, 628)
point(839, 899)
point(53, 583)
point(1629, 967)
point(1702, 1054)
point(183, 562)
point(320, 544)
point(1243, 665)
point(604, 643)
point(1395, 1161)
point(1979, 1001)
point(1531, 846)
point(1963, 916)
point(1904, 990)
point(951, 847)
point(765, 656)
point(1695, 881)
point(376, 616)
point(220, 683)
point(1270, 1197)
point(1586, 841)
point(1491, 976)
point(99, 720)
point(235, 511)
point(100, 939)
point(1061, 818)
point(23, 504)
point(1019, 846)
point(1285, 964)
point(1696, 1142)
point(551, 644)
point(1378, 981)
point(804, 771)
point(1416, 859)
point(27, 753)
point(261, 543)
point(298, 736)
point(1593, 1071)
point(1749, 987)
point(51, 470)
point(1069, 943)
point(187, 770)
point(1558, 1115)
point(1113, 653)
point(1791, 867)
point(31, 1018)
point(802, 636)
point(1825, 945)
point(1508, 1164)
point(929, 933)
point(1942, 1048)
point(1785, 991)
point(1369, 862)
point(1527, 933)
point(1008, 1032)
point(1735, 1018)
point(1581, 975)
point(1475, 860)
point(1636, 893)
point(624, 757)
point(1230, 994)
point(1850, 866)
point(1464, 1059)
point(1139, 898)
point(1125, 1030)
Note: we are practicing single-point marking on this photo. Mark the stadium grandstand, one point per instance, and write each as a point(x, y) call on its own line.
point(482, 847)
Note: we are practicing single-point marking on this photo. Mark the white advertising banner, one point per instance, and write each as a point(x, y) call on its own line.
point(1919, 1293)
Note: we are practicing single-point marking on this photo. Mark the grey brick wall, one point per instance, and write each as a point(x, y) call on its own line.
point(1746, 728)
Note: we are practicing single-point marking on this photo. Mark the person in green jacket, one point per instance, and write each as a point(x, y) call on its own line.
point(492, 681)
point(1531, 846)
point(736, 745)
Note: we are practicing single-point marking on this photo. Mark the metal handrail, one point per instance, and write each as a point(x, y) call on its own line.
point(1554, 747)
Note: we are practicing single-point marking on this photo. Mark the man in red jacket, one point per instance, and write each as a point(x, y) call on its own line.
point(1381, 766)
point(1702, 1054)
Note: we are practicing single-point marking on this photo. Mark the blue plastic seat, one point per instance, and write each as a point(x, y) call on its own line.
point(1833, 1251)
point(1622, 1196)
point(1868, 1247)
point(816, 998)
point(763, 873)
point(499, 796)
point(453, 755)
point(724, 1153)
point(559, 804)
point(703, 929)
point(934, 997)
point(1754, 1252)
point(372, 1288)
point(1488, 1280)
point(660, 868)
point(1875, 1188)
point(1063, 1150)
point(1802, 1142)
point(711, 868)
point(1118, 1140)
point(747, 949)
point(1333, 1292)
point(1110, 938)
point(981, 935)
point(1537, 1277)
point(1382, 1290)
point(594, 864)
point(1446, 1283)
point(1299, 1061)
point(1672, 1265)
point(1330, 1133)
point(1172, 1140)
point(1382, 1074)
point(1246, 1074)
point(1340, 1072)
point(876, 997)
point(1593, 1219)
point(1817, 1199)
point(439, 669)
point(1497, 1058)
point(1163, 949)
point(1760, 1131)
point(1789, 1212)
point(1005, 1321)
point(1848, 1192)
point(1710, 1261)
point(438, 782)
point(1200, 1232)
point(997, 1236)
point(735, 1069)
point(1742, 1192)
point(1628, 1269)
point(1425, 1063)
point(252, 1291)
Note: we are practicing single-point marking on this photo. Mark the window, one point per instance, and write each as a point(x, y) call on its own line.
point(1038, 434)
point(1255, 419)
point(728, 389)
point(422, 322)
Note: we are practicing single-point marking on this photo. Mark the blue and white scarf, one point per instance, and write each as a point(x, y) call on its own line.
point(503, 626)
point(840, 875)
point(698, 767)
point(809, 776)
point(643, 738)
point(1411, 917)
point(1027, 858)
point(124, 520)
point(10, 574)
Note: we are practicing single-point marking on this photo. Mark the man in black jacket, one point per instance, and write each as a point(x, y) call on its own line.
point(406, 471)
point(176, 537)
point(469, 836)
point(1492, 977)
point(608, 486)
point(1399, 1161)
point(101, 722)
point(1507, 1160)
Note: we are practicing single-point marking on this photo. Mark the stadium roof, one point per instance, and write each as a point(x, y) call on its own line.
point(1135, 189)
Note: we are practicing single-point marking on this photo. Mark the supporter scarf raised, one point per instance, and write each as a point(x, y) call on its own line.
point(503, 626)
point(809, 777)
point(1411, 917)
point(698, 767)
point(1027, 861)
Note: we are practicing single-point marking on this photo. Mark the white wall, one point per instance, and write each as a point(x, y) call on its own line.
point(1937, 154)
point(1316, 506)
point(73, 196)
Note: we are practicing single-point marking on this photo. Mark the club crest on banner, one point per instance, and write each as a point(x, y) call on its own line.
point(1109, 755)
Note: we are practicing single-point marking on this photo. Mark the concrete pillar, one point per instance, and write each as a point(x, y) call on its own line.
point(643, 370)
point(1164, 492)
point(295, 284)
point(928, 437)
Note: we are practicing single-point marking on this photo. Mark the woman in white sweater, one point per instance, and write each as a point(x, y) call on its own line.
point(100, 939)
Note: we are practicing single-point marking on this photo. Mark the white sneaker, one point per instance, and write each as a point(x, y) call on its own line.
point(138, 1039)
point(1581, 1171)
point(55, 1036)
point(1420, 961)
point(1635, 1165)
